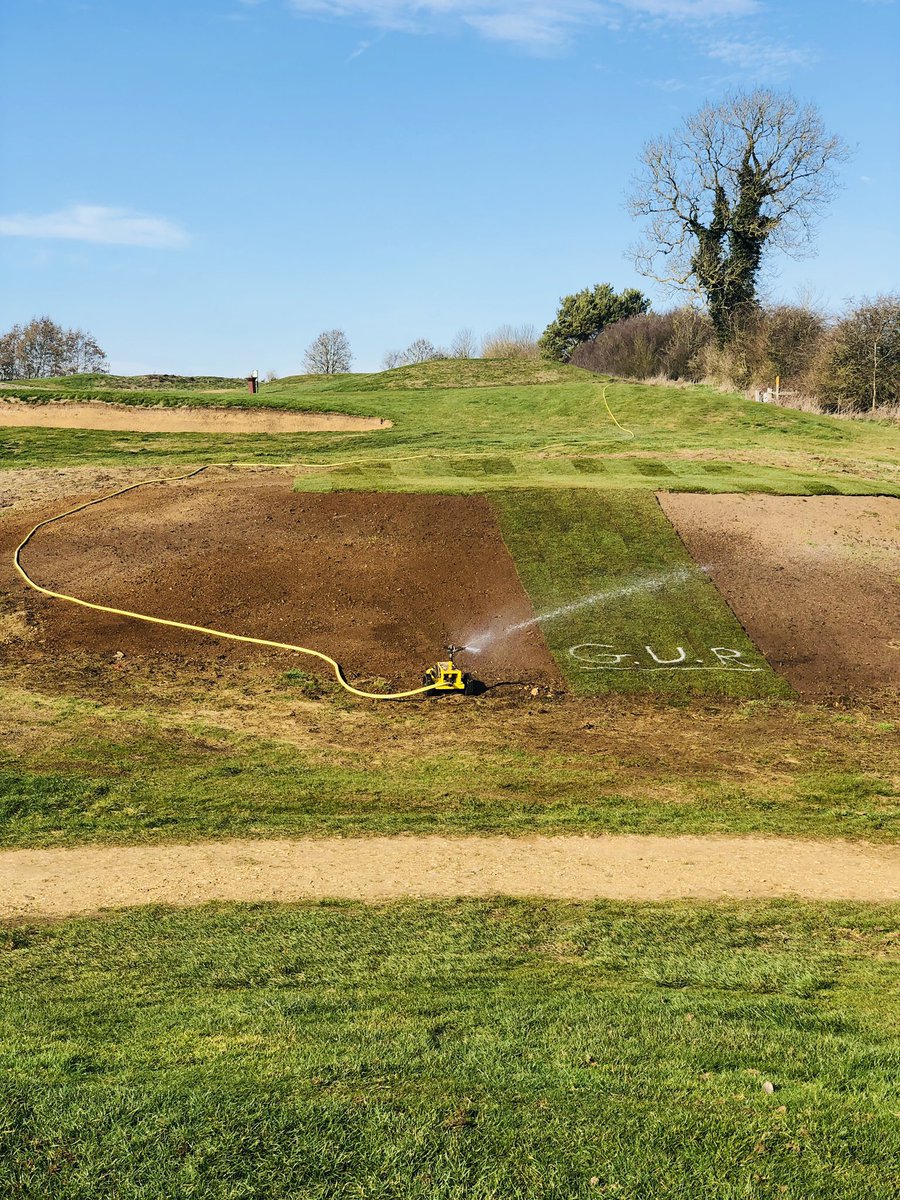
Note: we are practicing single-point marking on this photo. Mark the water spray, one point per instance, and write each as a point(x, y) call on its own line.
point(650, 584)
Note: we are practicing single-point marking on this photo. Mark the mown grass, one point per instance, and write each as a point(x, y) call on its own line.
point(480, 425)
point(453, 1051)
point(90, 773)
point(615, 583)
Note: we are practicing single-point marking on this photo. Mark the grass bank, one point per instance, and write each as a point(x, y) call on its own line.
point(481, 425)
point(73, 772)
point(467, 1049)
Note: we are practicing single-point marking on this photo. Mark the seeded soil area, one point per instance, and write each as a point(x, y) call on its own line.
point(815, 581)
point(58, 883)
point(380, 582)
point(182, 419)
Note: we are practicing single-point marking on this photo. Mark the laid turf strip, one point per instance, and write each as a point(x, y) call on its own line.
point(622, 605)
point(466, 1049)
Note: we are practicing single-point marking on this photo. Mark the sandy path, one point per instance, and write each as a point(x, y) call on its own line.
point(85, 879)
point(125, 418)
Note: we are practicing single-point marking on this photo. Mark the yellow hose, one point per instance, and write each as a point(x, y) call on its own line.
point(221, 633)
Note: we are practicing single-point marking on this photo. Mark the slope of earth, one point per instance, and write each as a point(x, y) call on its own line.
point(380, 582)
point(814, 580)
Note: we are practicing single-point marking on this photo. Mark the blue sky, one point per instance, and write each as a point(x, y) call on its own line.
point(207, 184)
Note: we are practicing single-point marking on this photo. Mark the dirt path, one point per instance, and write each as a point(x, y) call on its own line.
point(813, 580)
point(134, 418)
point(59, 883)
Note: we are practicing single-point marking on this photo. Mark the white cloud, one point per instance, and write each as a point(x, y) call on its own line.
point(533, 23)
point(95, 223)
point(760, 57)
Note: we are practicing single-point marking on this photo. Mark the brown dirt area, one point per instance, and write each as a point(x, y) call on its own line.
point(815, 581)
point(381, 582)
point(59, 883)
point(133, 418)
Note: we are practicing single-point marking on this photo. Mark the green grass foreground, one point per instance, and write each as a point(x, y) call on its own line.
point(481, 425)
point(453, 1051)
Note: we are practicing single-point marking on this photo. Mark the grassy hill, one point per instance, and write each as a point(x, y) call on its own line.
point(482, 425)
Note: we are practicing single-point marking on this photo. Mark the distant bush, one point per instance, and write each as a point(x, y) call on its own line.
point(764, 343)
point(511, 341)
point(42, 349)
point(648, 346)
point(858, 365)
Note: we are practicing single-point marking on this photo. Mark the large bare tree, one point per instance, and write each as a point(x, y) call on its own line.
point(747, 174)
point(329, 354)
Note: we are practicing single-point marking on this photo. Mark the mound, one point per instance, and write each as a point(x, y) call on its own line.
point(381, 582)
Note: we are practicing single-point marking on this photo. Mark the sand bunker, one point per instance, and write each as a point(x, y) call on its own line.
point(815, 581)
point(133, 418)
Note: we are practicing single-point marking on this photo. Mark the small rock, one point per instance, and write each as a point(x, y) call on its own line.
point(768, 1087)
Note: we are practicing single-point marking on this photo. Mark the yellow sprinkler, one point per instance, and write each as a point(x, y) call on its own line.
point(446, 676)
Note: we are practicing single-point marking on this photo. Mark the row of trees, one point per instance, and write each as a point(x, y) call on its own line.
point(330, 353)
point(42, 348)
point(849, 362)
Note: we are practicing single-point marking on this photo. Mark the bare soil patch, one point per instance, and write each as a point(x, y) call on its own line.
point(59, 883)
point(381, 582)
point(815, 581)
point(133, 418)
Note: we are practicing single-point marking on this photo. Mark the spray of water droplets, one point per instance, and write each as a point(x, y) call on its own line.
point(633, 588)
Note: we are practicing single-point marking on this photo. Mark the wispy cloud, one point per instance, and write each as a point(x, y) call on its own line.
point(529, 23)
point(95, 223)
point(761, 57)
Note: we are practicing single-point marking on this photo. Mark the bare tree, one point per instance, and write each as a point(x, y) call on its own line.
point(329, 354)
point(464, 345)
point(749, 173)
point(42, 349)
point(419, 351)
point(511, 341)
